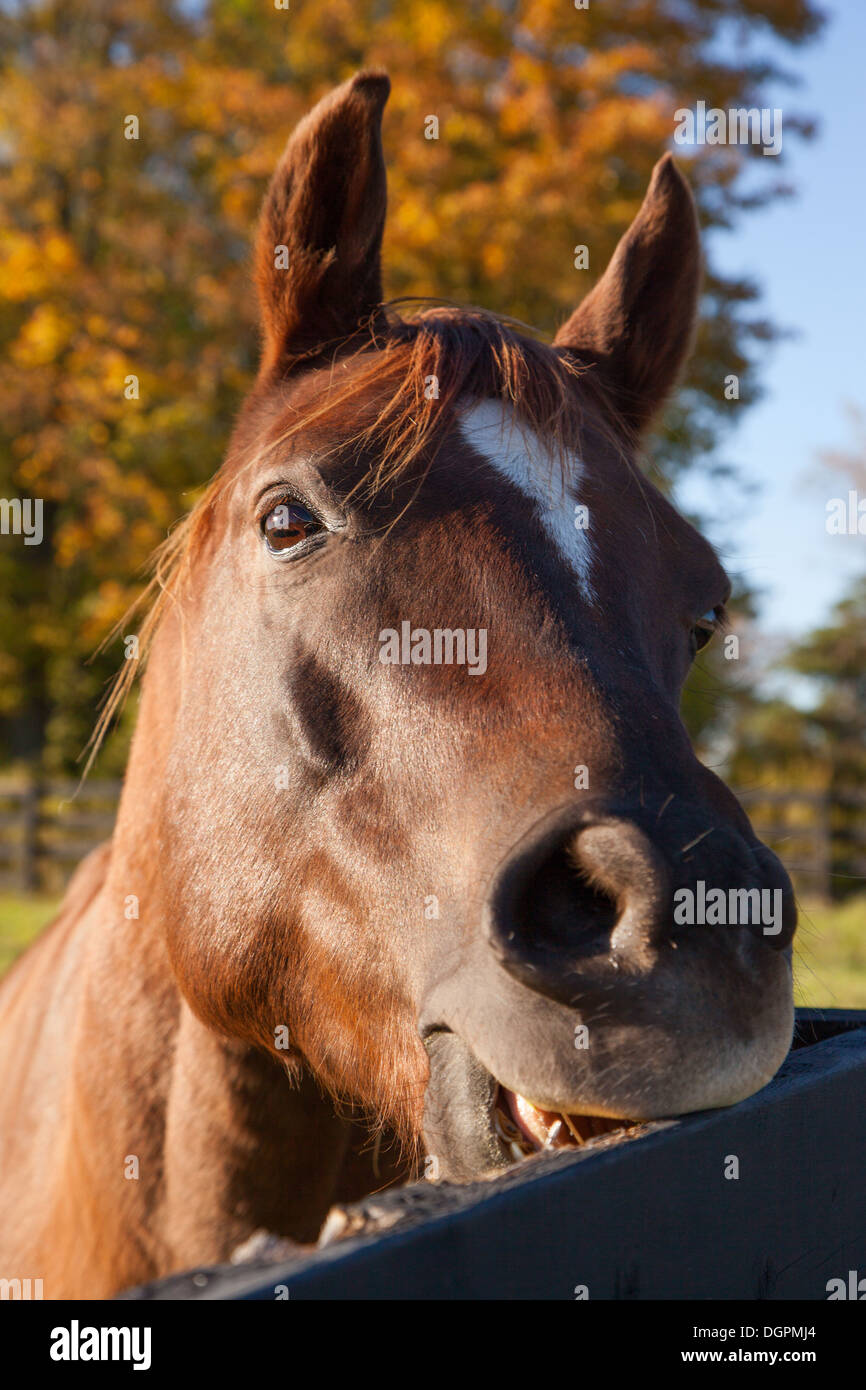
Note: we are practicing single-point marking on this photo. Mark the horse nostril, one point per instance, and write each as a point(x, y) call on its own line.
point(587, 893)
point(564, 907)
point(617, 859)
point(584, 892)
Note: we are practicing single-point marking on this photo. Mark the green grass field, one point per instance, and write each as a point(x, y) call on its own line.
point(830, 955)
point(830, 961)
point(21, 919)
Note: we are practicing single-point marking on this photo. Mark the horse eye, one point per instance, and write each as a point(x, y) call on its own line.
point(287, 525)
point(704, 629)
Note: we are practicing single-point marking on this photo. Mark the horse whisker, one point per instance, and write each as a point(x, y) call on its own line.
point(697, 840)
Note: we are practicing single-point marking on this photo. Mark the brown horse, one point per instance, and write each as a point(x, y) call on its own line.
point(410, 812)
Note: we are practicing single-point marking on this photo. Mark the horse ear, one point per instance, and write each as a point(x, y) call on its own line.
point(318, 249)
point(636, 325)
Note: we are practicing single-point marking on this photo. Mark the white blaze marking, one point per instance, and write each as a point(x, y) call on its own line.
point(492, 428)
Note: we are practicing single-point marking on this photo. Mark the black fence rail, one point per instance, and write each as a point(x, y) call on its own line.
point(765, 1200)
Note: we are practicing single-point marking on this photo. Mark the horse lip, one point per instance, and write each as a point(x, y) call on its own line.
point(459, 1135)
point(474, 1125)
point(550, 1130)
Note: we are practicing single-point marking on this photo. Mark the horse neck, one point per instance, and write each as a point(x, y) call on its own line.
point(272, 1145)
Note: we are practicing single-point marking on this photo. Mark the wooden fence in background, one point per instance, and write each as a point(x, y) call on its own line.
point(47, 827)
point(821, 843)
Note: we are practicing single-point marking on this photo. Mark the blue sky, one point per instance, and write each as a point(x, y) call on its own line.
point(808, 254)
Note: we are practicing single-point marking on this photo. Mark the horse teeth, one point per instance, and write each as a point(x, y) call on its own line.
point(553, 1133)
point(575, 1132)
point(517, 1153)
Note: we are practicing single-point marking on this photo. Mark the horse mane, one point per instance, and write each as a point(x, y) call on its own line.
point(433, 362)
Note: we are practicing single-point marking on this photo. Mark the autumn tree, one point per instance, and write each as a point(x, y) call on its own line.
point(136, 137)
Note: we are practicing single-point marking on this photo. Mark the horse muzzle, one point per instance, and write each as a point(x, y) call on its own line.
point(584, 1000)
